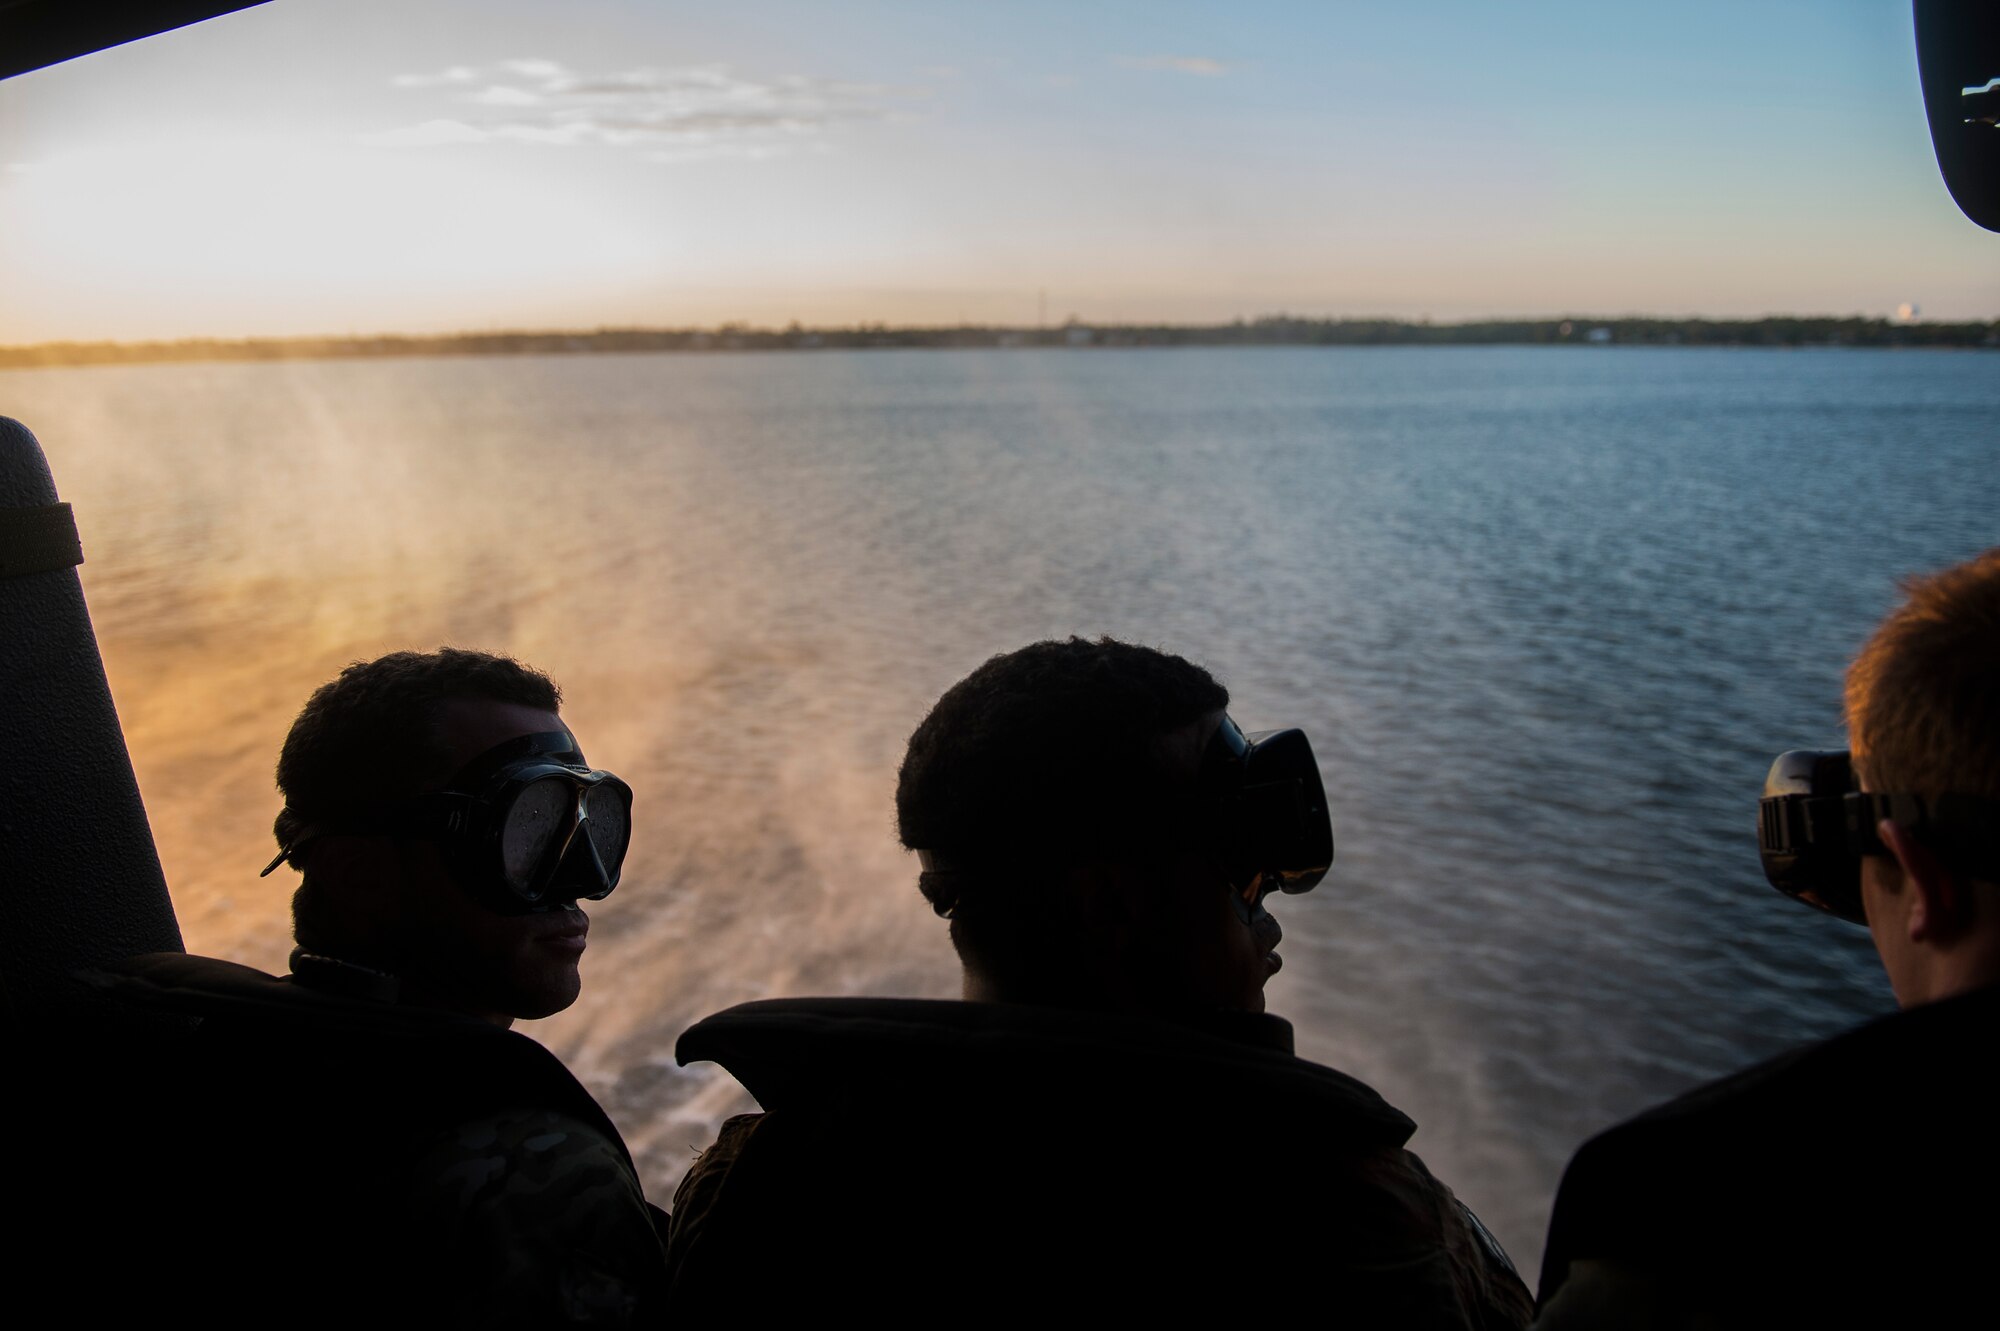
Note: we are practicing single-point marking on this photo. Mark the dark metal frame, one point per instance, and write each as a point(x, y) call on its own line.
point(35, 33)
point(1958, 56)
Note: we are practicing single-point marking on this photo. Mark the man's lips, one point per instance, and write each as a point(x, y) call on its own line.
point(567, 931)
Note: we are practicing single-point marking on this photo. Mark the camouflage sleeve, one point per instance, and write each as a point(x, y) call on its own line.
point(530, 1217)
point(1408, 1250)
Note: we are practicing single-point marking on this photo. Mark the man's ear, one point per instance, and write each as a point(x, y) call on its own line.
point(1101, 893)
point(365, 872)
point(1940, 908)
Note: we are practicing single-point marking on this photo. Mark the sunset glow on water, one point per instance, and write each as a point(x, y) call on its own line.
point(1546, 615)
point(1547, 612)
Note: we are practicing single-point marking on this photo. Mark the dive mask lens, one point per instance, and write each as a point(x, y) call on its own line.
point(605, 810)
point(539, 815)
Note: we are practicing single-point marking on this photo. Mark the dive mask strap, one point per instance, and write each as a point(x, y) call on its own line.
point(454, 798)
point(940, 882)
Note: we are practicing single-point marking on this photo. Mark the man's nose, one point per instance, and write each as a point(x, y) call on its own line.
point(581, 872)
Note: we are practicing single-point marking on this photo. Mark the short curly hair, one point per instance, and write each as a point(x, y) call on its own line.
point(1039, 759)
point(373, 733)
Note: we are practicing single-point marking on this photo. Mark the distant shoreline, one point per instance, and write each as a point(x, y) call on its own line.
point(1280, 330)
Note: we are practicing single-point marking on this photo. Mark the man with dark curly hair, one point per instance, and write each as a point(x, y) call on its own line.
point(1109, 1124)
point(365, 1139)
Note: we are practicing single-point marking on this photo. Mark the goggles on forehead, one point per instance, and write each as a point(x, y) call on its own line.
point(528, 825)
point(1815, 823)
point(1268, 821)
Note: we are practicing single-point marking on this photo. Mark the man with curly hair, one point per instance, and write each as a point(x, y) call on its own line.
point(1109, 1125)
point(366, 1139)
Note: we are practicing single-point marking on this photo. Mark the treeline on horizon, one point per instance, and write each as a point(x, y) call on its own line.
point(1274, 330)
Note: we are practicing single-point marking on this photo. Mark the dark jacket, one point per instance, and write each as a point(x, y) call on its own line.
point(337, 1159)
point(1851, 1183)
point(920, 1158)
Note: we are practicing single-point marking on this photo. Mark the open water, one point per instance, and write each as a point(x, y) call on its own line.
point(1547, 615)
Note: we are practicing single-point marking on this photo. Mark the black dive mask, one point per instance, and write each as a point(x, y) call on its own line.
point(1814, 824)
point(526, 826)
point(1258, 807)
point(1266, 811)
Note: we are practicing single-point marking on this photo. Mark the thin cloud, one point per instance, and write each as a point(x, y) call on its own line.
point(503, 95)
point(687, 113)
point(695, 151)
point(535, 69)
point(442, 79)
point(1199, 65)
point(430, 134)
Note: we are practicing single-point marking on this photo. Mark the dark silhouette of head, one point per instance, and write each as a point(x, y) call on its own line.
point(383, 731)
point(1051, 792)
point(1923, 718)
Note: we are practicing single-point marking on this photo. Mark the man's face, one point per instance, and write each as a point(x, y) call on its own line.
point(1885, 898)
point(1193, 944)
point(455, 951)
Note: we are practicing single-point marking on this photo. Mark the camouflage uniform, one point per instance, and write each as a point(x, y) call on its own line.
point(541, 1216)
point(341, 1161)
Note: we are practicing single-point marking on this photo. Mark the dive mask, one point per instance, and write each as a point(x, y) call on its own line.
point(1266, 810)
point(528, 825)
point(1814, 824)
point(1258, 808)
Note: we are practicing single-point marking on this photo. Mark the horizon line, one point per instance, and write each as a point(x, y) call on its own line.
point(1263, 329)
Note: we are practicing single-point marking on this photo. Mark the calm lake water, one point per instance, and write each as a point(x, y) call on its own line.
point(1547, 615)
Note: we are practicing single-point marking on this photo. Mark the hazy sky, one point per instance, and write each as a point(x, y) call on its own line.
point(361, 165)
